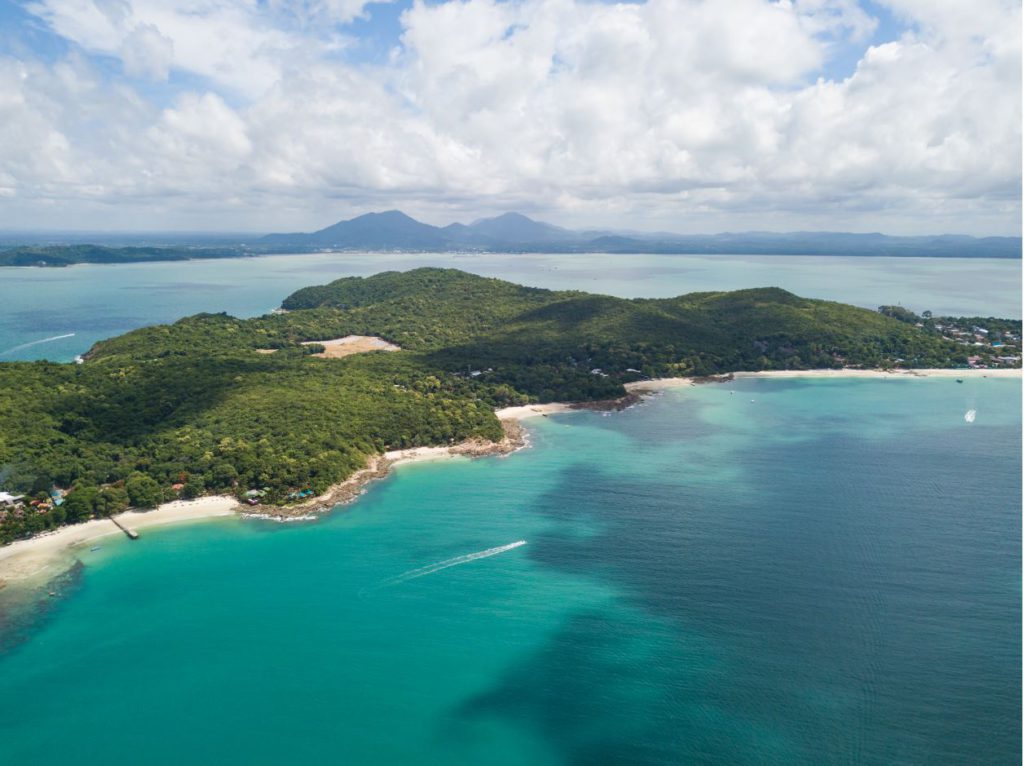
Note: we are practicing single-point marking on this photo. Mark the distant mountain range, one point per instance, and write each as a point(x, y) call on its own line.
point(394, 230)
point(508, 233)
point(513, 232)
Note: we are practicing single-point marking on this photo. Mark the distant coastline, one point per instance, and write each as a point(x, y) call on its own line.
point(35, 261)
point(510, 233)
point(37, 559)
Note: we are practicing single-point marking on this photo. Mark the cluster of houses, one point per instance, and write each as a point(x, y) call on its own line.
point(1003, 349)
point(17, 506)
point(254, 496)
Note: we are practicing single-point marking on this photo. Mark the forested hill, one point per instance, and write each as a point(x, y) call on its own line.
point(460, 320)
point(212, 403)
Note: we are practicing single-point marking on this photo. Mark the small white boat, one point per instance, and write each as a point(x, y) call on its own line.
point(970, 415)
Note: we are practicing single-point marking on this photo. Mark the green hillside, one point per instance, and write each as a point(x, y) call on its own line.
point(195, 403)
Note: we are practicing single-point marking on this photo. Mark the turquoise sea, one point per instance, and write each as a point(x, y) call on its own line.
point(800, 572)
point(58, 313)
point(761, 572)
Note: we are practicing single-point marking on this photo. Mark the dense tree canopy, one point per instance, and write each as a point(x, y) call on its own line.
point(200, 406)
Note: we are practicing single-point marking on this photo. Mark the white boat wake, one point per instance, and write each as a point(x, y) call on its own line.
point(412, 574)
point(37, 342)
point(970, 415)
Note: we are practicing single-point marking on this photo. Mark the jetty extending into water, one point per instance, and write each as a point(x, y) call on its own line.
point(132, 534)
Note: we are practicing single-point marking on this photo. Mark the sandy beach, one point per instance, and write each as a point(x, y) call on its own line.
point(47, 555)
point(533, 411)
point(660, 384)
point(883, 374)
point(379, 466)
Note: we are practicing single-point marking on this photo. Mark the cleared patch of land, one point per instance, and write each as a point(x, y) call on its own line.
point(351, 344)
point(339, 347)
point(192, 403)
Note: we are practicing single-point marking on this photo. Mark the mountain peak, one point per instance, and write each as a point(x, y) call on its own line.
point(387, 230)
point(384, 215)
point(515, 232)
point(518, 228)
point(507, 217)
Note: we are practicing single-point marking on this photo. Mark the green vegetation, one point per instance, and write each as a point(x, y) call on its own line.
point(990, 341)
point(192, 408)
point(65, 255)
point(533, 337)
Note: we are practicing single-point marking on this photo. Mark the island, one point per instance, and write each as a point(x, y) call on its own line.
point(55, 256)
point(301, 404)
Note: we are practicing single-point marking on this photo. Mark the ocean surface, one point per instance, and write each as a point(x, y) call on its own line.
point(760, 572)
point(58, 313)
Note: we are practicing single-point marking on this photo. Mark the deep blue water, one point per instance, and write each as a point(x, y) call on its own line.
point(799, 572)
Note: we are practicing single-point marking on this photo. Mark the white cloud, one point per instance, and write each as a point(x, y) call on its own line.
point(64, 133)
point(836, 17)
point(232, 43)
point(201, 140)
point(147, 53)
point(323, 11)
point(673, 114)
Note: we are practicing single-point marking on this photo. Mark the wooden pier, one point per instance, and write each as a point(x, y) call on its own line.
point(132, 534)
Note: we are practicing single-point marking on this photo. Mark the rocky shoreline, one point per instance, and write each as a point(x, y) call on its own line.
point(379, 466)
point(36, 557)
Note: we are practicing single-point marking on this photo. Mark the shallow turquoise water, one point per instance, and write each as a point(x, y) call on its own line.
point(38, 306)
point(800, 572)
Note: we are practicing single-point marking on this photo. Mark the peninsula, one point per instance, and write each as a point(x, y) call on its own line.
point(279, 409)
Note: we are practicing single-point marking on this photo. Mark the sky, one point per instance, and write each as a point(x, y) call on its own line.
point(690, 116)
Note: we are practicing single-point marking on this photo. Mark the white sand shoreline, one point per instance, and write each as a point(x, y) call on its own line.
point(46, 555)
point(527, 411)
point(885, 374)
point(658, 384)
